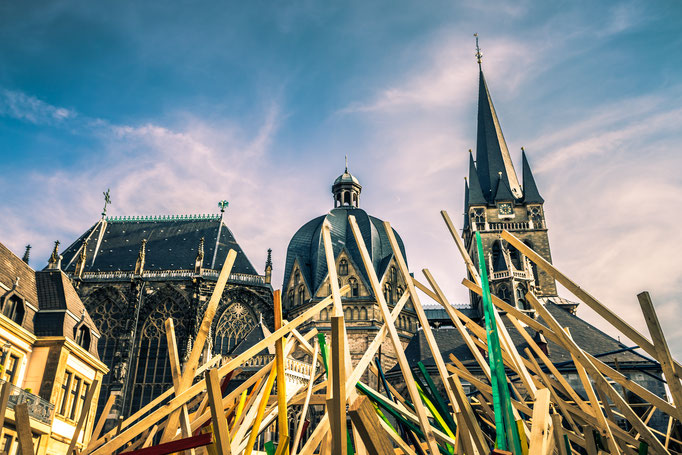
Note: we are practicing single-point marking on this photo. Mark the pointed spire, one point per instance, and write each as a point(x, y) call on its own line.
point(492, 155)
point(55, 261)
point(502, 191)
point(478, 54)
point(268, 267)
point(80, 265)
point(466, 204)
point(139, 264)
point(476, 196)
point(26, 253)
point(530, 189)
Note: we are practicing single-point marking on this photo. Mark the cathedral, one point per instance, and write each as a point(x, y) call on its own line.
point(133, 273)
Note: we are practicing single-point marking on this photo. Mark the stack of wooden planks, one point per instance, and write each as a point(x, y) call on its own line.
point(453, 412)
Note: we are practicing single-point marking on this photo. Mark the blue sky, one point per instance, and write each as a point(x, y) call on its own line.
point(177, 105)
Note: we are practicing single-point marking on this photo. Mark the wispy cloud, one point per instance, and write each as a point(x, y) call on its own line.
point(20, 106)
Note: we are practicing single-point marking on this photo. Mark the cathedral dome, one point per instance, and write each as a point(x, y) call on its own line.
point(306, 247)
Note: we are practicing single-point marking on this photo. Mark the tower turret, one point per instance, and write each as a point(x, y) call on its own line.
point(346, 190)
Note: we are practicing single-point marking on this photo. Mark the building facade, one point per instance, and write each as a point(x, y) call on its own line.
point(306, 278)
point(49, 356)
point(133, 273)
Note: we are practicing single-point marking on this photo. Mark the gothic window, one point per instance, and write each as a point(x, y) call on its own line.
point(324, 314)
point(478, 217)
point(356, 314)
point(363, 313)
point(152, 375)
point(353, 287)
point(533, 265)
point(503, 293)
point(83, 337)
point(297, 277)
point(393, 276)
point(498, 261)
point(235, 323)
point(521, 297)
point(347, 313)
point(400, 292)
point(535, 214)
point(290, 296)
point(388, 293)
point(515, 256)
point(14, 309)
point(343, 267)
point(301, 294)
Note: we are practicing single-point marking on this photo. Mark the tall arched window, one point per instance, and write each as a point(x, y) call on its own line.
point(324, 314)
point(353, 287)
point(388, 293)
point(393, 276)
point(399, 292)
point(521, 297)
point(355, 200)
point(236, 322)
point(498, 261)
point(356, 313)
point(533, 266)
point(290, 296)
point(515, 256)
point(346, 198)
point(363, 313)
point(347, 313)
point(343, 267)
point(301, 294)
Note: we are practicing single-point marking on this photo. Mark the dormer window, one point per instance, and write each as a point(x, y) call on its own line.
point(83, 337)
point(13, 308)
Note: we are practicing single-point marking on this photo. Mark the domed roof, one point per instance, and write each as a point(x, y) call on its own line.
point(346, 177)
point(307, 245)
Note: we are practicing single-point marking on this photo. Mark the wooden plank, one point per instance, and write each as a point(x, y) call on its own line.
point(100, 423)
point(396, 439)
point(601, 366)
point(338, 365)
point(306, 403)
point(663, 351)
point(395, 339)
point(24, 433)
point(4, 397)
point(421, 315)
point(467, 413)
point(366, 420)
point(282, 421)
point(559, 434)
point(255, 427)
point(579, 355)
point(150, 436)
point(199, 341)
point(174, 360)
point(83, 416)
point(540, 431)
point(215, 402)
point(593, 303)
point(175, 446)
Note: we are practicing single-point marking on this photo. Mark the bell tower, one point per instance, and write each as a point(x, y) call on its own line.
point(495, 201)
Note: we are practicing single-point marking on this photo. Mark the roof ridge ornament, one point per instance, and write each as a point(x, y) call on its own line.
point(223, 205)
point(107, 201)
point(478, 54)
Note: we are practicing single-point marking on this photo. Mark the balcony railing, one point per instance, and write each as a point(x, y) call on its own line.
point(508, 226)
point(39, 409)
point(205, 273)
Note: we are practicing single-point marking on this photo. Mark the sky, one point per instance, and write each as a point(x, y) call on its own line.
point(175, 106)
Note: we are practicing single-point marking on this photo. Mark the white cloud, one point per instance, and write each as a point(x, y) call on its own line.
point(20, 106)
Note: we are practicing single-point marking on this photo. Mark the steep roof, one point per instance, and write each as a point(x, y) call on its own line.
point(502, 192)
point(492, 155)
point(588, 337)
point(172, 244)
point(530, 189)
point(17, 276)
point(307, 245)
point(476, 196)
point(256, 335)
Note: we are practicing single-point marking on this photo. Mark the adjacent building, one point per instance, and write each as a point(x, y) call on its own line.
point(49, 356)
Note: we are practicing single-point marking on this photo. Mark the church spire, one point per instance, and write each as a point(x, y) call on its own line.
point(476, 196)
point(492, 155)
point(530, 189)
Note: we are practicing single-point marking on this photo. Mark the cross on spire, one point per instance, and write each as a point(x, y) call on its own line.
point(107, 201)
point(478, 54)
point(346, 163)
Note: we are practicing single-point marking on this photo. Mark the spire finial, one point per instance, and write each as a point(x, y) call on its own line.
point(107, 201)
point(26, 254)
point(223, 205)
point(346, 163)
point(478, 54)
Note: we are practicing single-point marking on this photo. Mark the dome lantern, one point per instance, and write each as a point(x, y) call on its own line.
point(346, 190)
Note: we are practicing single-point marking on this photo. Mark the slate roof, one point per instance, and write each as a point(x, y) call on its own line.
point(171, 245)
point(530, 189)
point(588, 337)
point(307, 247)
point(476, 196)
point(60, 310)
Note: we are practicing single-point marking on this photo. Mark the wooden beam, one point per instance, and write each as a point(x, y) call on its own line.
point(174, 360)
point(175, 446)
point(215, 402)
point(83, 416)
point(540, 431)
point(467, 413)
point(306, 403)
point(338, 365)
point(559, 434)
point(579, 355)
point(663, 351)
point(100, 423)
point(593, 303)
point(23, 426)
point(395, 339)
point(255, 427)
point(199, 341)
point(282, 421)
point(4, 397)
point(366, 420)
